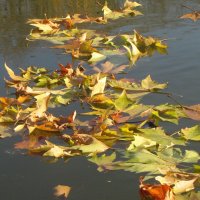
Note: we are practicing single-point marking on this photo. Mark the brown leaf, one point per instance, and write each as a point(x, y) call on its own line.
point(62, 191)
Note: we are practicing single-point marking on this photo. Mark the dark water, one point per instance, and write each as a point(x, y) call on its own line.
point(24, 177)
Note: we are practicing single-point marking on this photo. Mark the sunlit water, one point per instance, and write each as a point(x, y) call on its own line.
point(23, 177)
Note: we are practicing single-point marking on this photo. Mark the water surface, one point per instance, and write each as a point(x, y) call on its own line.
point(25, 177)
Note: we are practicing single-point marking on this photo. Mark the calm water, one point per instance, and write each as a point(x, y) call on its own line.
point(23, 177)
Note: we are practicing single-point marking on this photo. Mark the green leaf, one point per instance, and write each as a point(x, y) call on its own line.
point(123, 101)
point(160, 137)
point(140, 142)
point(93, 146)
point(149, 84)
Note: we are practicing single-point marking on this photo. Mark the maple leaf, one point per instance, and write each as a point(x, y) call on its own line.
point(62, 191)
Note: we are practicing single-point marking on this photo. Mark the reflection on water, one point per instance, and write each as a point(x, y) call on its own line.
point(180, 68)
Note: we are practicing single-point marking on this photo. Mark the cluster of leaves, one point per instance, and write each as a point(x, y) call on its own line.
point(53, 26)
point(116, 120)
point(92, 46)
point(117, 116)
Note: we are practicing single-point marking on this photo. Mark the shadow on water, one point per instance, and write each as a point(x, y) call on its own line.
point(23, 177)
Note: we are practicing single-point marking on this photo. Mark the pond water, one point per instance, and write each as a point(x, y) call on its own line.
point(31, 177)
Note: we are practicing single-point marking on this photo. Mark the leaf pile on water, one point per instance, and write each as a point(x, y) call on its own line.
point(55, 25)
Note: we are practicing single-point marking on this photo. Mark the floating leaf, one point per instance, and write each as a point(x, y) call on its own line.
point(96, 57)
point(62, 191)
point(90, 144)
point(149, 84)
point(155, 192)
point(194, 16)
point(192, 112)
point(104, 161)
point(13, 76)
point(192, 133)
point(123, 101)
point(99, 87)
point(180, 182)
